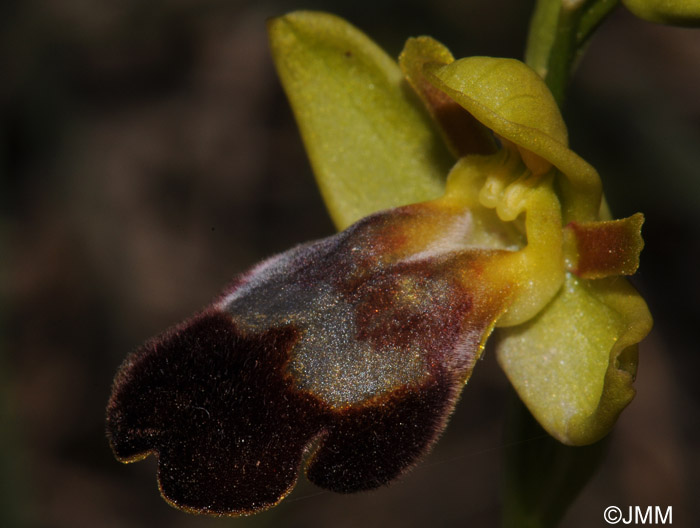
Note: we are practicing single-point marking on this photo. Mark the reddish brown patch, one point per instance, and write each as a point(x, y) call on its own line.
point(410, 305)
point(374, 242)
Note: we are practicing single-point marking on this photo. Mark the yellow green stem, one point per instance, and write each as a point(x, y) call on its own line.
point(559, 32)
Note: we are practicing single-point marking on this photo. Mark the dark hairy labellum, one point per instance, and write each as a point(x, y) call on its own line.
point(351, 350)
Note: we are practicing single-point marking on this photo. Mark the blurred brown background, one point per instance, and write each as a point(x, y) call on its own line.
point(148, 155)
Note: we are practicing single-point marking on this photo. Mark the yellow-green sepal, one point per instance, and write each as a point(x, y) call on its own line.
point(512, 100)
point(575, 363)
point(371, 143)
point(673, 12)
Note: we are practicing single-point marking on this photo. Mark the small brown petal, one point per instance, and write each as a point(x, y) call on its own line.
point(606, 248)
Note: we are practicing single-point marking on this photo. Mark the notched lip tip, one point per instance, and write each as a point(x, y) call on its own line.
point(214, 512)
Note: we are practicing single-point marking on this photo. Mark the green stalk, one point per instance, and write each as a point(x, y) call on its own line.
point(542, 476)
point(559, 32)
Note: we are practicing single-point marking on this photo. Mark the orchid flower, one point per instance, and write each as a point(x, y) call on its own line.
point(464, 214)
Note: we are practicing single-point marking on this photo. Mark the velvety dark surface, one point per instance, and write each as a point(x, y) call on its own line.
point(231, 400)
point(217, 410)
point(229, 429)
